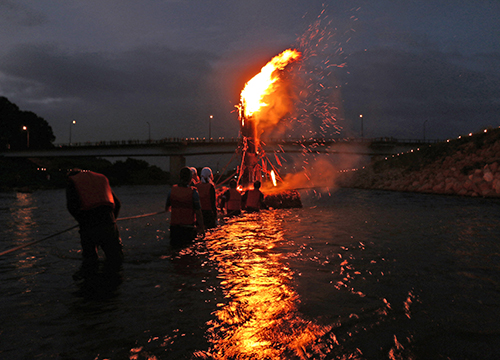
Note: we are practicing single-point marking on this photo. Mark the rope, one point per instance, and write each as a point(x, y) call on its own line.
point(71, 228)
point(140, 216)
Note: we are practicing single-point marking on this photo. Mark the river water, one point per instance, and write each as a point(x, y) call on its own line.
point(354, 274)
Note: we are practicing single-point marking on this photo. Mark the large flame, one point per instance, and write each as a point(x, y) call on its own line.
point(252, 95)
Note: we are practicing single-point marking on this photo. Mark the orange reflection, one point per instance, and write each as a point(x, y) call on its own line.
point(22, 218)
point(260, 318)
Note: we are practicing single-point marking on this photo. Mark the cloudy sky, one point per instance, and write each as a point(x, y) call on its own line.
point(126, 68)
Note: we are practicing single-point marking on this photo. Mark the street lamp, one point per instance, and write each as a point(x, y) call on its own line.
point(70, 125)
point(149, 130)
point(210, 127)
point(361, 117)
point(25, 128)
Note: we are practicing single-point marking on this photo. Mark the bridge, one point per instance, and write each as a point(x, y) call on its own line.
point(178, 148)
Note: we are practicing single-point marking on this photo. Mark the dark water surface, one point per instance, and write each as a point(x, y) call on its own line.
point(352, 275)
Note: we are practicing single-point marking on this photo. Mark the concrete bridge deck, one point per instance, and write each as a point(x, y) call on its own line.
point(194, 147)
point(178, 149)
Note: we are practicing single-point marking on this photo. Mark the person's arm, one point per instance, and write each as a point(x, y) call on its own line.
point(200, 227)
point(224, 199)
point(118, 205)
point(213, 199)
point(168, 204)
point(262, 202)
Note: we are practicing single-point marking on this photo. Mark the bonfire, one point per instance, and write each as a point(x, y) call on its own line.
point(263, 104)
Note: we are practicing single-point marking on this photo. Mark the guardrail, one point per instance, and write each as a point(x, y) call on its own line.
point(232, 140)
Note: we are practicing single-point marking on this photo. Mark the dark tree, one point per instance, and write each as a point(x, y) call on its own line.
point(22, 129)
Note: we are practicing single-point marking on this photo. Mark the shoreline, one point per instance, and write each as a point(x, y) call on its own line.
point(467, 166)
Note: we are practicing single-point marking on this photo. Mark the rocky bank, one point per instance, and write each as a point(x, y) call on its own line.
point(466, 166)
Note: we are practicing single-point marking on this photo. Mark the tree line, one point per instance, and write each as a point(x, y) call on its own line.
point(20, 130)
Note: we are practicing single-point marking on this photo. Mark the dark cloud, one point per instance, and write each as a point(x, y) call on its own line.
point(142, 84)
point(115, 66)
point(397, 91)
point(144, 70)
point(14, 14)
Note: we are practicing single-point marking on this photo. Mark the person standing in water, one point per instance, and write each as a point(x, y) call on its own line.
point(186, 218)
point(254, 198)
point(94, 205)
point(231, 199)
point(206, 189)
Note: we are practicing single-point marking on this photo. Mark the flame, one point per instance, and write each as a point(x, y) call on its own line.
point(252, 95)
point(273, 177)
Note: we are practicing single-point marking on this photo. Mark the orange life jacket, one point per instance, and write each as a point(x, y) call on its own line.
point(181, 201)
point(234, 202)
point(204, 191)
point(253, 199)
point(93, 190)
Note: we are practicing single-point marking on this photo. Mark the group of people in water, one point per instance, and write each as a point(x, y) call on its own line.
point(192, 202)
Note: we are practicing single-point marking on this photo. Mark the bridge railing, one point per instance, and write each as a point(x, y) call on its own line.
point(173, 140)
point(232, 140)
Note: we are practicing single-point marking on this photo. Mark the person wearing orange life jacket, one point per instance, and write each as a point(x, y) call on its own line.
point(186, 218)
point(254, 198)
point(231, 199)
point(208, 202)
point(94, 205)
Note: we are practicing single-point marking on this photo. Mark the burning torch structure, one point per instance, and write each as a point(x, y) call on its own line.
point(263, 104)
point(258, 110)
point(252, 154)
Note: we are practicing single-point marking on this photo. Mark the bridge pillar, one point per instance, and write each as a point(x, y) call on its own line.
point(177, 162)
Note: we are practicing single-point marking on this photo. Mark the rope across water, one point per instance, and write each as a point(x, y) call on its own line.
point(71, 228)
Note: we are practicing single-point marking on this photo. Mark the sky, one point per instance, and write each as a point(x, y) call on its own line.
point(133, 70)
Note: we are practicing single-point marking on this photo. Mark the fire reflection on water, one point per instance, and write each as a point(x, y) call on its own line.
point(260, 318)
point(22, 226)
point(22, 217)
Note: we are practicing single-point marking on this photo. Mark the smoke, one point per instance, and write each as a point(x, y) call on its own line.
point(319, 172)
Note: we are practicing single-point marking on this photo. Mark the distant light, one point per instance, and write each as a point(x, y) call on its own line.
point(470, 134)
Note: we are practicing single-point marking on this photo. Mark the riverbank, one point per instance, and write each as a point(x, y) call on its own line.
point(28, 175)
point(466, 166)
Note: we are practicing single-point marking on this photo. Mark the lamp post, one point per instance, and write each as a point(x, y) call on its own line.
point(210, 127)
point(424, 129)
point(361, 117)
point(149, 131)
point(70, 126)
point(25, 128)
